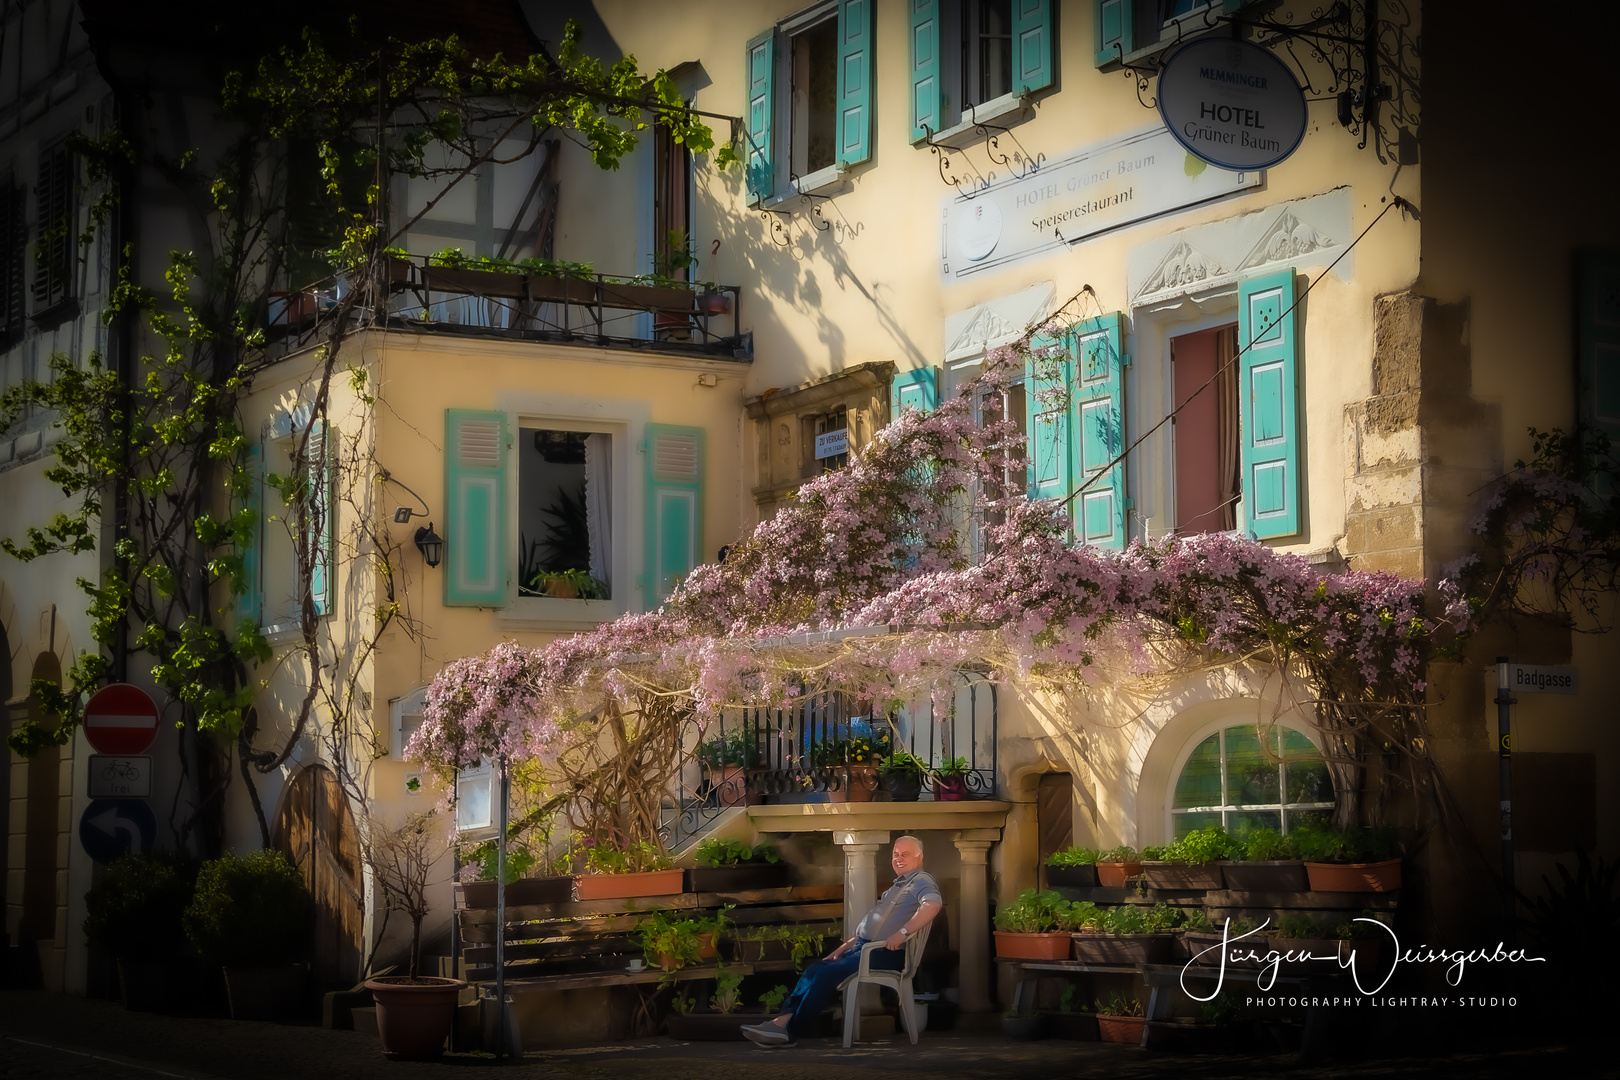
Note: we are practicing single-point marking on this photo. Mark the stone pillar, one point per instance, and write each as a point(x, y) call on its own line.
point(973, 921)
point(861, 851)
point(860, 872)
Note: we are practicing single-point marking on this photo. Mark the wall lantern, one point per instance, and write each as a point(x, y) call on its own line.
point(431, 544)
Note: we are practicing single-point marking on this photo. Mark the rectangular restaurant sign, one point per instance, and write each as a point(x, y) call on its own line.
point(1090, 191)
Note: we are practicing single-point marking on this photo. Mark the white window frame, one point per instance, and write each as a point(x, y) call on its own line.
point(478, 782)
point(1194, 740)
point(403, 709)
point(281, 618)
point(550, 613)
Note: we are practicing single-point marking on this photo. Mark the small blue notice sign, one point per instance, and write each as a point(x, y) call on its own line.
point(113, 827)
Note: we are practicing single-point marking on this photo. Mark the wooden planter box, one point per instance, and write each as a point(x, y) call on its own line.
point(1121, 948)
point(615, 886)
point(748, 951)
point(647, 297)
point(1114, 875)
point(1195, 942)
point(1121, 1029)
point(474, 282)
point(749, 875)
point(1163, 875)
point(541, 890)
point(1080, 877)
point(1285, 875)
point(1052, 946)
point(1078, 1026)
point(557, 290)
point(1024, 1027)
point(1355, 877)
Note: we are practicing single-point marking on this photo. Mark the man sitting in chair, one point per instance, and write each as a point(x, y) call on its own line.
point(904, 908)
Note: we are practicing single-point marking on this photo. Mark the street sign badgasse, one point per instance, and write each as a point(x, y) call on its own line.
point(1543, 679)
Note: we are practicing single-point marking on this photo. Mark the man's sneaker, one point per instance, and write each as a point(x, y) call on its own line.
point(768, 1035)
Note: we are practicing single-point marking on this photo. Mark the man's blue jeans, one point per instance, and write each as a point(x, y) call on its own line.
point(821, 979)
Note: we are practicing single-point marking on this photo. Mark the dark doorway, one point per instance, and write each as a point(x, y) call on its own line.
point(44, 798)
point(1054, 816)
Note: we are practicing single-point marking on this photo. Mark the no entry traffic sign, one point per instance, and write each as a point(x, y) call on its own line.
point(121, 720)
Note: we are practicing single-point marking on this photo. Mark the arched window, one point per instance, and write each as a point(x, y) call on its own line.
point(1230, 779)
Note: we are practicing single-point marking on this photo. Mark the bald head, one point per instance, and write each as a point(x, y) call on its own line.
point(907, 855)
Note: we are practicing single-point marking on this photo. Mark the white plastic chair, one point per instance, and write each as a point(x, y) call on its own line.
point(899, 980)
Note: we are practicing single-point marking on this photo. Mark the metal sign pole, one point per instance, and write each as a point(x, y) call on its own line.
point(1504, 747)
point(500, 919)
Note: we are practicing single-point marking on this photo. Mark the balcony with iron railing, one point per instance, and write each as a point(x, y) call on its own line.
point(827, 749)
point(526, 304)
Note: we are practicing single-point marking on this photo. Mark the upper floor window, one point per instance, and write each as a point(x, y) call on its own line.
point(1241, 779)
point(809, 108)
point(986, 55)
point(53, 216)
point(565, 527)
point(13, 268)
point(971, 60)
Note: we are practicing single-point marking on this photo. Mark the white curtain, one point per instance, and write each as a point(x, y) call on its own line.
point(598, 504)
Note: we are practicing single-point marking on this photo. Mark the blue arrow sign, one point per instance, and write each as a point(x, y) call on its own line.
point(112, 827)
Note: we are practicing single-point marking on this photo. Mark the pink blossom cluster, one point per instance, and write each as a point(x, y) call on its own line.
point(885, 547)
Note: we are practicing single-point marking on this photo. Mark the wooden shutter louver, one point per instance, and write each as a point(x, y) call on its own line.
point(53, 194)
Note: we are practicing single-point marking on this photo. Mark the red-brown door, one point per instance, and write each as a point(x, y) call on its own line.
point(316, 831)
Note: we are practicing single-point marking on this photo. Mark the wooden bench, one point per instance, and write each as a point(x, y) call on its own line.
point(577, 944)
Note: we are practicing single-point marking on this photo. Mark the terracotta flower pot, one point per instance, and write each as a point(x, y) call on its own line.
point(614, 886)
point(1121, 1029)
point(414, 1016)
point(860, 783)
point(1052, 946)
point(1355, 877)
point(1114, 875)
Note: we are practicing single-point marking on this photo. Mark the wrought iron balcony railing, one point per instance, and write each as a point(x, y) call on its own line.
point(823, 750)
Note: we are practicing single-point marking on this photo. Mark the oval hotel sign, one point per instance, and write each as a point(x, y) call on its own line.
point(1231, 103)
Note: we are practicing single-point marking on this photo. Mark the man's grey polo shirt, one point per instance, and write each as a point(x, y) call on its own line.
point(897, 905)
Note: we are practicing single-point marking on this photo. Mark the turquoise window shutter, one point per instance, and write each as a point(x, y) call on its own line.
point(915, 389)
point(1268, 342)
point(761, 70)
point(248, 603)
point(319, 460)
point(1034, 45)
point(1113, 30)
point(1597, 277)
point(1099, 425)
point(475, 508)
point(856, 34)
point(1050, 382)
point(674, 507)
point(927, 79)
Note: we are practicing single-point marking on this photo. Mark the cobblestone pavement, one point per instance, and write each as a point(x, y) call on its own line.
point(44, 1035)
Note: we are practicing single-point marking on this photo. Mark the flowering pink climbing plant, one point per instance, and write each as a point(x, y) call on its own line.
point(868, 582)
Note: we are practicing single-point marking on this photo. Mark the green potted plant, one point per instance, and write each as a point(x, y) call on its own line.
point(253, 915)
point(1264, 860)
point(902, 775)
point(1120, 1019)
point(1121, 935)
point(1355, 860)
point(133, 914)
point(1118, 865)
point(635, 868)
point(1075, 867)
point(950, 780)
point(1027, 928)
point(669, 941)
point(725, 761)
point(1191, 862)
point(726, 864)
point(552, 885)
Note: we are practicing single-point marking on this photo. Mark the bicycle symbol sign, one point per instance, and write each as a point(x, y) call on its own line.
point(120, 777)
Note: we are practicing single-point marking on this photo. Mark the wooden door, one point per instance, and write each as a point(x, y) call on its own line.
point(1054, 815)
point(315, 830)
